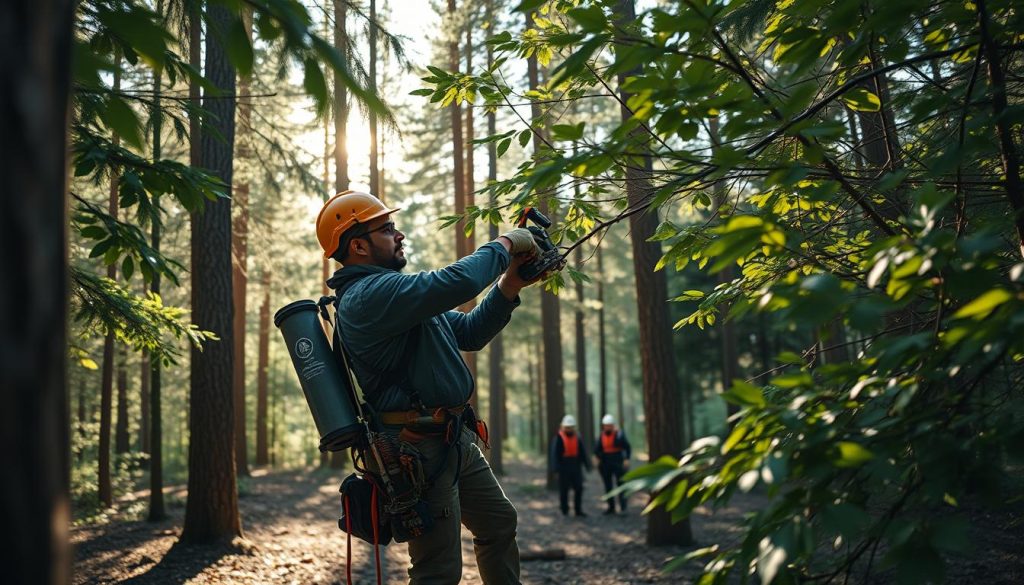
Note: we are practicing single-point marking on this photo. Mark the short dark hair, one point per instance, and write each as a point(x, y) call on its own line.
point(356, 231)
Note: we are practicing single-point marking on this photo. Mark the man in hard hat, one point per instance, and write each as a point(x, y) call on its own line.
point(567, 458)
point(612, 451)
point(403, 336)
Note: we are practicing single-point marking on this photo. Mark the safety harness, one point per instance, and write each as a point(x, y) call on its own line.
point(403, 504)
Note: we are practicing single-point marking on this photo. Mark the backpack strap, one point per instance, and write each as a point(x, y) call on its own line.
point(397, 377)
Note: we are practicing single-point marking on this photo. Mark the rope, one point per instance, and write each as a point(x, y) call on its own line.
point(376, 531)
point(348, 544)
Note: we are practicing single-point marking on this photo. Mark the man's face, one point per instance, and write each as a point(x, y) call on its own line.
point(608, 428)
point(385, 240)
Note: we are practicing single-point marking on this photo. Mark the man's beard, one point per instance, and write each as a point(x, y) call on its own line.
point(390, 261)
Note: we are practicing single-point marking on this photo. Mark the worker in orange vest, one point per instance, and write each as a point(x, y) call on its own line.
point(568, 457)
point(612, 451)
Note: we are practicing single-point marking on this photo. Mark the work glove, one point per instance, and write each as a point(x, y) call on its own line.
point(522, 241)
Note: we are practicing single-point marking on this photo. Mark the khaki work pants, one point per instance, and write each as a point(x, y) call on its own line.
point(476, 501)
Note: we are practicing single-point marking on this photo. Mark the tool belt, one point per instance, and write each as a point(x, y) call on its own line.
point(447, 421)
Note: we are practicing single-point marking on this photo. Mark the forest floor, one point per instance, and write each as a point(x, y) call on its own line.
point(291, 537)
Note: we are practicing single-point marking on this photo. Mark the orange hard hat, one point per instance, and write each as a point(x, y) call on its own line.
point(343, 211)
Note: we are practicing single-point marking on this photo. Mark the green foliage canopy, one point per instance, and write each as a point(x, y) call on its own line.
point(915, 256)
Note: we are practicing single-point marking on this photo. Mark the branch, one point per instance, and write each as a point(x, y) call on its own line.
point(1007, 149)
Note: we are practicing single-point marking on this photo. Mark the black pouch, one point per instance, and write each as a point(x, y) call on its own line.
point(412, 522)
point(362, 510)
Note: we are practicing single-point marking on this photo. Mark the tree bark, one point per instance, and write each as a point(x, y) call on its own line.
point(157, 510)
point(551, 319)
point(341, 178)
point(662, 410)
point(601, 340)
point(458, 171)
point(325, 457)
point(211, 513)
point(374, 150)
point(619, 391)
point(239, 265)
point(470, 244)
point(726, 327)
point(496, 371)
point(542, 430)
point(144, 379)
point(106, 494)
point(80, 417)
point(262, 447)
point(35, 76)
point(1004, 131)
point(585, 418)
point(122, 442)
point(341, 181)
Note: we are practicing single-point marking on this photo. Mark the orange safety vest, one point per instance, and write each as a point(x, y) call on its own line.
point(571, 444)
point(608, 442)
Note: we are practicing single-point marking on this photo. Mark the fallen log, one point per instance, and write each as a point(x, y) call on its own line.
point(546, 554)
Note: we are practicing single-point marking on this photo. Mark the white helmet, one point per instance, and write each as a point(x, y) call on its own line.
point(568, 420)
point(607, 419)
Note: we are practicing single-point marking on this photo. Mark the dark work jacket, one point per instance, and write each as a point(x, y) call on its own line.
point(557, 460)
point(615, 458)
point(380, 307)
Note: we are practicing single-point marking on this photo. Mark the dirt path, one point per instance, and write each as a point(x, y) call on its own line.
point(289, 520)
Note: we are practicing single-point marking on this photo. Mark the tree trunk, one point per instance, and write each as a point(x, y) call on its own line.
point(144, 379)
point(341, 181)
point(726, 327)
point(374, 150)
point(542, 427)
point(619, 391)
point(551, 319)
point(274, 393)
point(262, 452)
point(458, 171)
point(470, 244)
point(157, 511)
point(660, 390)
point(211, 513)
point(585, 418)
point(80, 417)
point(534, 404)
point(34, 88)
point(106, 493)
point(239, 264)
point(602, 343)
point(122, 442)
point(496, 371)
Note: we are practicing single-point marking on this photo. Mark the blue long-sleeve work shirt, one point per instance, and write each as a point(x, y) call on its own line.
point(379, 308)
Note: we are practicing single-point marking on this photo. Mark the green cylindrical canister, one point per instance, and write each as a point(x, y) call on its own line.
point(327, 389)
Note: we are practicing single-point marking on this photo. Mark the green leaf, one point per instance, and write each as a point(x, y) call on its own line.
point(850, 454)
point(983, 306)
point(524, 137)
point(862, 100)
point(120, 117)
point(529, 5)
point(93, 232)
point(503, 146)
point(591, 18)
point(569, 132)
point(128, 267)
point(744, 394)
point(239, 48)
point(313, 80)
